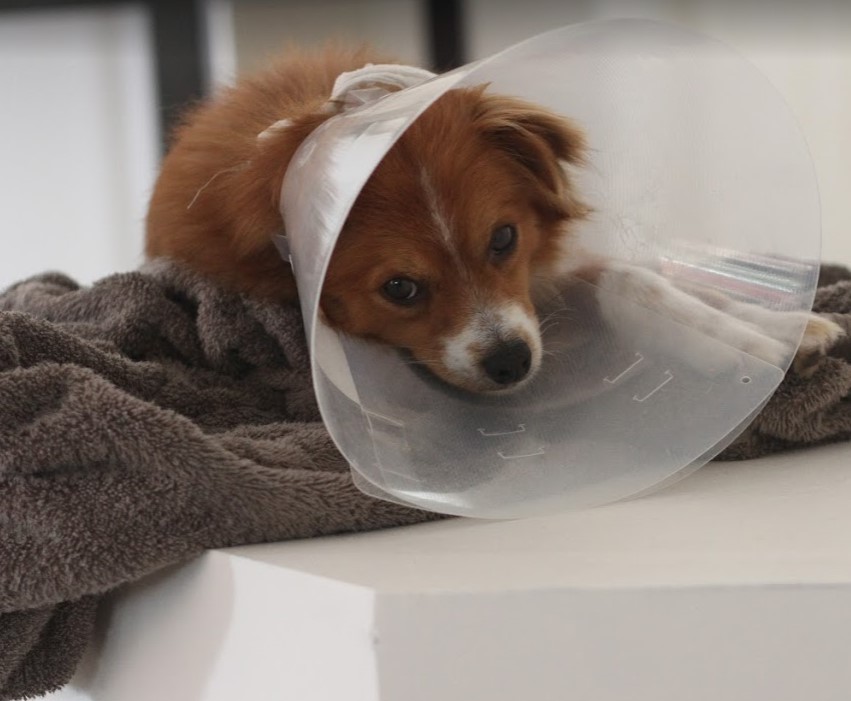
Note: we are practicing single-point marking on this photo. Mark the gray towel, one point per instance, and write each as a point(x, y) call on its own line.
point(153, 415)
point(143, 420)
point(815, 409)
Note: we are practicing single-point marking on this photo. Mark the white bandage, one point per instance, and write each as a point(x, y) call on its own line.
point(367, 84)
point(362, 86)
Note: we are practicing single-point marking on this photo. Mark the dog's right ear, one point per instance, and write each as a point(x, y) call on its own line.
point(538, 139)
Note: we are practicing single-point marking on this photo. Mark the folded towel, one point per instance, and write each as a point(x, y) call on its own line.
point(812, 409)
point(142, 421)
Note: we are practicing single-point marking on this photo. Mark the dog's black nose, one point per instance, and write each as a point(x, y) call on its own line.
point(508, 362)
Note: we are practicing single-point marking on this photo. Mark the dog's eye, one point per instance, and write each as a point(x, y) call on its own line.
point(401, 290)
point(503, 240)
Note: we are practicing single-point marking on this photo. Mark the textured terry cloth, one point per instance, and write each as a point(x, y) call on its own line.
point(813, 409)
point(143, 420)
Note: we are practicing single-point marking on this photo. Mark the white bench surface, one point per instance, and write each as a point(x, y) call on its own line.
point(734, 583)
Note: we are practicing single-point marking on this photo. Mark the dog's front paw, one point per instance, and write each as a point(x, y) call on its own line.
point(766, 348)
point(820, 335)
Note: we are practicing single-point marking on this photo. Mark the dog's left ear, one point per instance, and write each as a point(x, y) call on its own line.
point(539, 140)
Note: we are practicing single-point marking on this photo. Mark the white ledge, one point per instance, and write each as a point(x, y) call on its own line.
point(734, 583)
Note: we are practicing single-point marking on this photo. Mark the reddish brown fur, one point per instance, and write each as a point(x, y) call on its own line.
point(226, 232)
point(490, 160)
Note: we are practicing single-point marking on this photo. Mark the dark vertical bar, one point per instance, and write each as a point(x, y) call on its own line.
point(180, 48)
point(447, 39)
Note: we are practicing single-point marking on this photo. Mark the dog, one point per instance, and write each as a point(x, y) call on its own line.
point(466, 221)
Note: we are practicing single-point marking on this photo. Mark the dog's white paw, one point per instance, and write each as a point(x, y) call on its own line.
point(765, 348)
point(820, 335)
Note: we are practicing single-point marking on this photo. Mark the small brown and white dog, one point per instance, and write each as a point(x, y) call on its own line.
point(467, 217)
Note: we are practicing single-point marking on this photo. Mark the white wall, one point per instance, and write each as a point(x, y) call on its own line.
point(78, 140)
point(78, 124)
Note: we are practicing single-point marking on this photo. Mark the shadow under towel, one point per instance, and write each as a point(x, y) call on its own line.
point(143, 420)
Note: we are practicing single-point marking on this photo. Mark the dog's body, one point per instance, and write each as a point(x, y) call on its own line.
point(465, 219)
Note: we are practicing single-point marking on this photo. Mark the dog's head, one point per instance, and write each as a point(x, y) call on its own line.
point(441, 253)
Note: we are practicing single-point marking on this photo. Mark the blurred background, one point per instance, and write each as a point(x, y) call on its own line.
point(90, 89)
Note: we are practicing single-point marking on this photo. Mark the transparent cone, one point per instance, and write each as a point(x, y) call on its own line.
point(697, 171)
